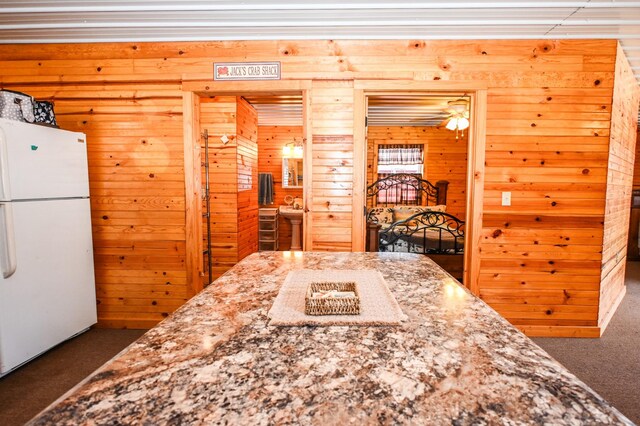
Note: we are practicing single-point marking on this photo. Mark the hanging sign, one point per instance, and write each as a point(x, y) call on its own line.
point(223, 71)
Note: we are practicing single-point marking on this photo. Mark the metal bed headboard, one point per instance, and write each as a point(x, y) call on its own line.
point(406, 189)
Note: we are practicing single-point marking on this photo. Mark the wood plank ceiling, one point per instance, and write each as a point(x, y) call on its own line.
point(277, 110)
point(384, 110)
point(396, 110)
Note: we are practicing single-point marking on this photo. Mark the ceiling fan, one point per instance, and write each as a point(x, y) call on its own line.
point(459, 116)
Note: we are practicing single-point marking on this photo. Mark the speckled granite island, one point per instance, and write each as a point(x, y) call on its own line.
point(216, 361)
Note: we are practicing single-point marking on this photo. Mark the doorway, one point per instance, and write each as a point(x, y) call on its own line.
point(417, 166)
point(247, 133)
point(410, 126)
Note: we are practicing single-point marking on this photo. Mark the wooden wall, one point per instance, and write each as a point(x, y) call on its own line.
point(233, 179)
point(547, 141)
point(136, 177)
point(332, 104)
point(624, 123)
point(218, 117)
point(271, 139)
point(137, 200)
point(247, 159)
point(446, 158)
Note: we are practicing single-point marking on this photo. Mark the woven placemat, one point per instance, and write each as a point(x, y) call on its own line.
point(377, 304)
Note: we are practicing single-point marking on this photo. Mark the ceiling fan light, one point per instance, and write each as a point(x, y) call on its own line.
point(463, 123)
point(459, 106)
point(452, 124)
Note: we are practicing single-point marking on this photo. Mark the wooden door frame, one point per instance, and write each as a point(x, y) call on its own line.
point(192, 91)
point(475, 158)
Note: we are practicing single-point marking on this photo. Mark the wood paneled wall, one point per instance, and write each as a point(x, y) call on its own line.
point(540, 263)
point(332, 181)
point(136, 177)
point(247, 159)
point(218, 117)
point(445, 158)
point(624, 123)
point(233, 179)
point(271, 139)
point(547, 141)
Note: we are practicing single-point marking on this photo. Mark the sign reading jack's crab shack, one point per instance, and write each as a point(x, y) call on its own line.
point(246, 71)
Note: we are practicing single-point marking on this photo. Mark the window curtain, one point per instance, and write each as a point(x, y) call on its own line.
point(400, 154)
point(406, 154)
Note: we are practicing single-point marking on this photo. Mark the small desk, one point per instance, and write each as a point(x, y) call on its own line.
point(455, 361)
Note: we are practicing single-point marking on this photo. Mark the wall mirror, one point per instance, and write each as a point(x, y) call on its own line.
point(292, 172)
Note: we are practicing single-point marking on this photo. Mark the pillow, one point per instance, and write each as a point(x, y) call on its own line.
point(439, 208)
point(419, 209)
point(404, 212)
point(380, 215)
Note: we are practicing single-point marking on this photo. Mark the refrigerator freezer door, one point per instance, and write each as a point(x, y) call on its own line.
point(51, 295)
point(39, 162)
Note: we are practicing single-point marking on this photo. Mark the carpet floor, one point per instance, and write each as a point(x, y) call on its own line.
point(610, 365)
point(32, 387)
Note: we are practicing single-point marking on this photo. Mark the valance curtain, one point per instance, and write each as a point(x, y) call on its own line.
point(399, 193)
point(400, 154)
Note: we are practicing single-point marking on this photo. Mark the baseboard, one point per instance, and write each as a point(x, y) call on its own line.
point(560, 331)
point(614, 307)
point(136, 324)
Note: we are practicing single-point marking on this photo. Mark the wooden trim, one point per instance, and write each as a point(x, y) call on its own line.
point(559, 331)
point(359, 171)
point(604, 323)
point(307, 167)
point(377, 144)
point(374, 87)
point(193, 185)
point(475, 190)
point(206, 87)
point(374, 170)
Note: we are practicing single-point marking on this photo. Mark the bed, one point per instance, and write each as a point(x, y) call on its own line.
point(408, 214)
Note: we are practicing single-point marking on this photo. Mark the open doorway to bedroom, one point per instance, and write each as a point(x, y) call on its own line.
point(416, 176)
point(421, 148)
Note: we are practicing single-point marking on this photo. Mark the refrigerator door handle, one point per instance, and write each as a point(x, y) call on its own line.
point(8, 261)
point(4, 168)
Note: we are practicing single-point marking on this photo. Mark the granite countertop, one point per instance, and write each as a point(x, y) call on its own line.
point(216, 361)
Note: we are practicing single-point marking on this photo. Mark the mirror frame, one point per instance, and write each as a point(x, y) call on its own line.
point(285, 167)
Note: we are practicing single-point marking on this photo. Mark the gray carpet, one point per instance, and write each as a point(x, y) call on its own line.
point(610, 365)
point(31, 388)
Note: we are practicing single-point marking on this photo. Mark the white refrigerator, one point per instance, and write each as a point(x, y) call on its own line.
point(47, 284)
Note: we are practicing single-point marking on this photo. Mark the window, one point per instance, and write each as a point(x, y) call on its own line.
point(396, 159)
